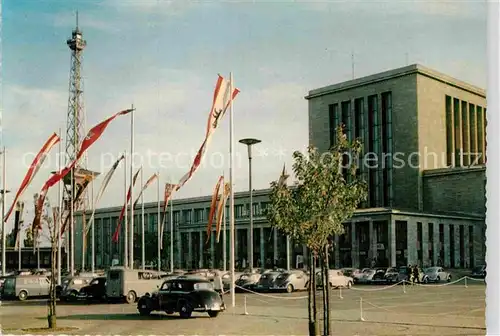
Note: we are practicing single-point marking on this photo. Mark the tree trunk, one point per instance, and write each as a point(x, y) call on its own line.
point(51, 317)
point(326, 294)
point(313, 325)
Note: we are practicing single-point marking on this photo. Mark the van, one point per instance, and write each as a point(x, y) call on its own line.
point(130, 284)
point(24, 286)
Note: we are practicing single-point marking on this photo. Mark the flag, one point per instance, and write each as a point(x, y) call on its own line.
point(145, 186)
point(221, 207)
point(80, 189)
point(213, 206)
point(122, 213)
point(169, 192)
point(18, 221)
point(104, 184)
point(92, 136)
point(283, 177)
point(221, 101)
point(33, 169)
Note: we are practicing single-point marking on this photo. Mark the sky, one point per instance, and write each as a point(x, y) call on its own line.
point(164, 56)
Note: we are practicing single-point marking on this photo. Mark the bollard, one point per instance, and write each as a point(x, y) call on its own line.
point(340, 293)
point(404, 286)
point(361, 309)
point(245, 304)
point(465, 282)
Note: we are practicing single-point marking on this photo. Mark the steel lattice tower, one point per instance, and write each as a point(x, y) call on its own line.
point(75, 130)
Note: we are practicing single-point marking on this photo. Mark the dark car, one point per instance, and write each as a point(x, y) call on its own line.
point(479, 272)
point(96, 290)
point(379, 276)
point(184, 296)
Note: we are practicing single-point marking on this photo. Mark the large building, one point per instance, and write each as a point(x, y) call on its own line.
point(424, 162)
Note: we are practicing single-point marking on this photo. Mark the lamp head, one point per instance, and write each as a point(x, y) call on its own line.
point(249, 141)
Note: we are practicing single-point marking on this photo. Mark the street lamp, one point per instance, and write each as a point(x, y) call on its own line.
point(250, 142)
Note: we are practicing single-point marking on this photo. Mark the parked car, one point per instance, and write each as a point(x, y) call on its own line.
point(24, 286)
point(365, 277)
point(348, 272)
point(405, 272)
point(184, 296)
point(247, 281)
point(266, 281)
point(96, 290)
point(392, 275)
point(478, 272)
point(71, 287)
point(379, 276)
point(290, 281)
point(336, 279)
point(435, 274)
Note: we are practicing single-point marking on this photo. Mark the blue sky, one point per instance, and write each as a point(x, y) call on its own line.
point(164, 56)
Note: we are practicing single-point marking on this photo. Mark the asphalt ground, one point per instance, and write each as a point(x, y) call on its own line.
point(444, 309)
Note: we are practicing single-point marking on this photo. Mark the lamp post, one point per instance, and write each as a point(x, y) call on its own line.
point(4, 195)
point(250, 142)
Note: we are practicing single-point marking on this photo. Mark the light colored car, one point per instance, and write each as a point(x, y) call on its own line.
point(24, 286)
point(291, 281)
point(436, 274)
point(336, 279)
point(366, 276)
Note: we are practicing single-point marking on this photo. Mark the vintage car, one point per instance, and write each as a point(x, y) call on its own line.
point(96, 290)
point(247, 281)
point(184, 296)
point(290, 281)
point(436, 274)
point(478, 272)
point(392, 275)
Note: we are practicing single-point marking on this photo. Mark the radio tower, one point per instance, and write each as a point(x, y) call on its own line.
point(75, 130)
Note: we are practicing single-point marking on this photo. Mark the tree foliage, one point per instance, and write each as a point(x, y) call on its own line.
point(326, 194)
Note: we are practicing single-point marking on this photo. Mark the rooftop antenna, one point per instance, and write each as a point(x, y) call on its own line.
point(352, 63)
point(76, 20)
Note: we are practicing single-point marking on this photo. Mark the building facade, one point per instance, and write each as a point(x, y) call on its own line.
point(424, 162)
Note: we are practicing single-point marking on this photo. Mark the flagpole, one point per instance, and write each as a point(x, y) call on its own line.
point(224, 241)
point(131, 250)
point(92, 232)
point(59, 219)
point(171, 233)
point(19, 254)
point(142, 226)
point(158, 224)
point(125, 240)
point(4, 195)
point(231, 193)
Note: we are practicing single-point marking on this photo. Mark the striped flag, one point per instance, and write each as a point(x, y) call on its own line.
point(145, 186)
point(18, 221)
point(221, 101)
point(104, 184)
point(122, 213)
point(92, 136)
point(33, 169)
point(213, 207)
point(221, 207)
point(169, 192)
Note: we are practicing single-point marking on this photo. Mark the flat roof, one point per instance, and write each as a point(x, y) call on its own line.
point(395, 73)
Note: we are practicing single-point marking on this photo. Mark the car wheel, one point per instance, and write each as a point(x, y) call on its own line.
point(426, 280)
point(104, 298)
point(23, 295)
point(289, 288)
point(349, 285)
point(438, 279)
point(449, 278)
point(131, 297)
point(185, 310)
point(213, 313)
point(144, 311)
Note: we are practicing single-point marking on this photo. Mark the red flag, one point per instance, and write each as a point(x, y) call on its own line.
point(92, 136)
point(169, 191)
point(220, 210)
point(221, 101)
point(145, 186)
point(33, 169)
point(213, 207)
point(122, 213)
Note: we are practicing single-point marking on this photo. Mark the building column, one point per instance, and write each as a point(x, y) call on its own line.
point(412, 241)
point(425, 244)
point(466, 247)
point(262, 254)
point(190, 250)
point(436, 246)
point(288, 253)
point(212, 249)
point(373, 240)
point(200, 262)
point(446, 245)
point(247, 261)
point(392, 242)
point(354, 246)
point(337, 252)
point(275, 244)
point(456, 234)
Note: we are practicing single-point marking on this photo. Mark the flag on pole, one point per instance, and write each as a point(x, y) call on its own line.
point(33, 169)
point(283, 177)
point(145, 186)
point(92, 136)
point(122, 213)
point(221, 207)
point(18, 221)
point(221, 101)
point(104, 184)
point(169, 192)
point(213, 207)
point(81, 187)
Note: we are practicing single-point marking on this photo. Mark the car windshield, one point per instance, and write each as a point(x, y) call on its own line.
point(94, 282)
point(203, 285)
point(283, 276)
point(430, 270)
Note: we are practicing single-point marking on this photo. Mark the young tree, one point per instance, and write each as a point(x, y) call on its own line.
point(326, 194)
point(50, 217)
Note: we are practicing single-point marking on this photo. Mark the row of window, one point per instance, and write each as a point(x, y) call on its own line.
point(370, 120)
point(465, 133)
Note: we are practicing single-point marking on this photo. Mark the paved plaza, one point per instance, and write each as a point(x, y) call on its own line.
point(424, 310)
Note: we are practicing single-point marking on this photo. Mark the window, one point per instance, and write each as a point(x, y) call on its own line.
point(199, 215)
point(450, 143)
point(471, 246)
point(333, 117)
point(472, 132)
point(373, 147)
point(177, 217)
point(186, 216)
point(458, 134)
point(480, 133)
point(451, 229)
point(420, 243)
point(431, 243)
point(358, 118)
point(256, 209)
point(386, 132)
point(165, 286)
point(263, 207)
point(239, 211)
point(462, 246)
point(346, 117)
point(465, 135)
